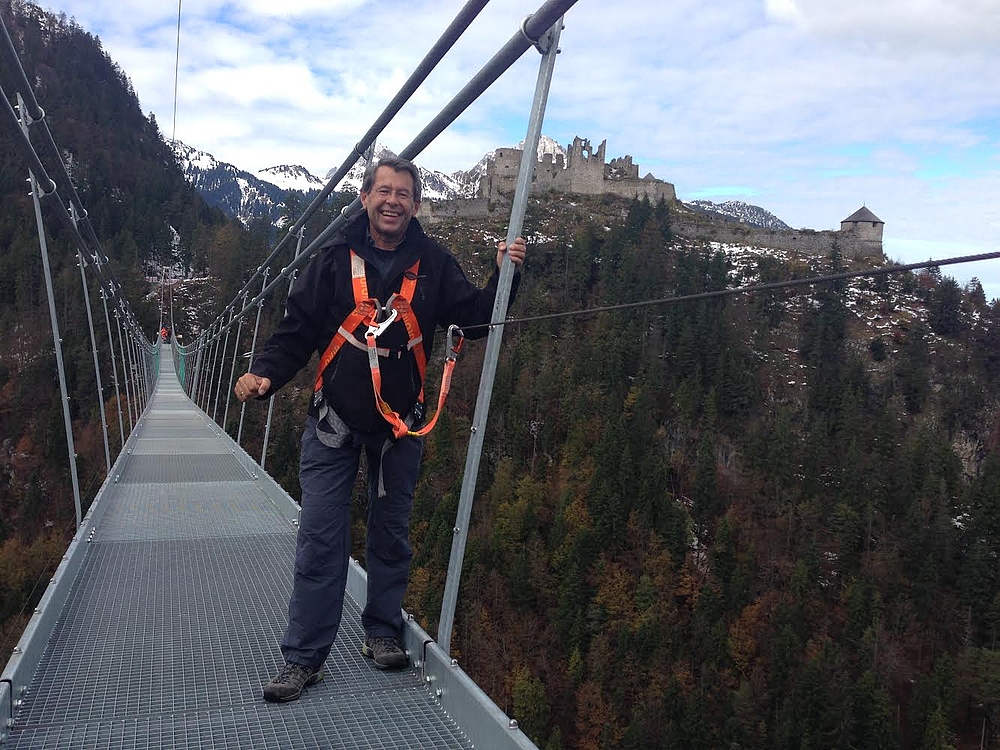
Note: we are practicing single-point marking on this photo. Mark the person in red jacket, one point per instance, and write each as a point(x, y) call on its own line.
point(381, 252)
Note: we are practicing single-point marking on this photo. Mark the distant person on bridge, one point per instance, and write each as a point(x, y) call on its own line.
point(380, 254)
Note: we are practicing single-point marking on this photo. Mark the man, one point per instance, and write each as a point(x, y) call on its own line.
point(381, 253)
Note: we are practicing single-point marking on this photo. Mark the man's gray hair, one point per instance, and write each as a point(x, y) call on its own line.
point(397, 164)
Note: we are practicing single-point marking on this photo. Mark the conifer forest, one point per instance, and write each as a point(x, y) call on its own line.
point(765, 520)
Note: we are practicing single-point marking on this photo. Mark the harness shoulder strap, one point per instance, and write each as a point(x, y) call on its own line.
point(359, 281)
point(365, 311)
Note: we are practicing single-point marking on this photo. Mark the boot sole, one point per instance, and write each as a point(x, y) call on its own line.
point(369, 654)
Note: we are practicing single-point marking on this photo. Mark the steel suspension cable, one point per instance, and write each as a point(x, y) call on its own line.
point(751, 289)
point(458, 26)
point(177, 67)
point(530, 32)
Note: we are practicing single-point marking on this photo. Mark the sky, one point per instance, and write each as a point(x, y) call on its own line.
point(807, 108)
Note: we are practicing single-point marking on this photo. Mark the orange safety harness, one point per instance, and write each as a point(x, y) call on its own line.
point(366, 311)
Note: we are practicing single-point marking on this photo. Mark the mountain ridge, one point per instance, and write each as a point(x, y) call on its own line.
point(250, 196)
point(739, 211)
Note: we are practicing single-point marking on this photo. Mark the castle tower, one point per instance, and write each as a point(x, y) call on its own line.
point(866, 229)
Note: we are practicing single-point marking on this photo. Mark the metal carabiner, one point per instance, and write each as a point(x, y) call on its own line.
point(454, 348)
point(376, 329)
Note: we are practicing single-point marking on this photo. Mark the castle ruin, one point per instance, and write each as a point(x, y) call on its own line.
point(859, 236)
point(582, 171)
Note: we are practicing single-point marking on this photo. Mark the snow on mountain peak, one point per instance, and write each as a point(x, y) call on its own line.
point(546, 145)
point(734, 210)
point(435, 185)
point(291, 177)
point(191, 159)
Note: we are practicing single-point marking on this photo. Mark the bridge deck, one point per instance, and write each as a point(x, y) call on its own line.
point(171, 624)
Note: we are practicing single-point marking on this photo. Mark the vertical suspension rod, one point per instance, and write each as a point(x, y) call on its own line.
point(550, 43)
point(253, 349)
point(270, 401)
point(56, 337)
point(97, 364)
point(114, 368)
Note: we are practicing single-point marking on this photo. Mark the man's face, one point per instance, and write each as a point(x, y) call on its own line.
point(390, 206)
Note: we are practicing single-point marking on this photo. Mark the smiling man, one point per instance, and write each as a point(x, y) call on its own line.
point(381, 255)
point(390, 202)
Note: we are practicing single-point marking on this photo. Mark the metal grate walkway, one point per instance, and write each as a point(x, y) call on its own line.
point(170, 623)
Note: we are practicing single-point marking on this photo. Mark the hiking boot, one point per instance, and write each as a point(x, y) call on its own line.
point(385, 650)
point(290, 681)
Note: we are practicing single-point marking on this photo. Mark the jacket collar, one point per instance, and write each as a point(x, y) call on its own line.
point(356, 235)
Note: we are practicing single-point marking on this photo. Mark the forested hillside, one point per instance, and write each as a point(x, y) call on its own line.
point(146, 217)
point(759, 521)
point(768, 521)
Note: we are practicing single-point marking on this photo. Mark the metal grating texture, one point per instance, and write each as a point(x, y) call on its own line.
point(180, 467)
point(403, 719)
point(172, 623)
point(171, 446)
point(167, 644)
point(188, 510)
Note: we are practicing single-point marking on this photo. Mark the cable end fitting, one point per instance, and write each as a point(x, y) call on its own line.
point(543, 44)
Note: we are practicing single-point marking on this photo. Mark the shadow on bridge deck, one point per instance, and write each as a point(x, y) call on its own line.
point(174, 597)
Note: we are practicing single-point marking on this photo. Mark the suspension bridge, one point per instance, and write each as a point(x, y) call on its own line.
point(161, 622)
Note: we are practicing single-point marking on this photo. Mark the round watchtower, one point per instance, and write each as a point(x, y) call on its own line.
point(865, 229)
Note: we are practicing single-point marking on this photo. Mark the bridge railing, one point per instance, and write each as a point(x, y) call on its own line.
point(119, 348)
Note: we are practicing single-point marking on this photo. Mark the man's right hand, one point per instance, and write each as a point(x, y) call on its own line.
point(251, 386)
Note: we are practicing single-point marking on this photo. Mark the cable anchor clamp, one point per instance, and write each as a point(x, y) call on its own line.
point(536, 43)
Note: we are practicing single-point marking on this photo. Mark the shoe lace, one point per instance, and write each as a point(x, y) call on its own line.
point(287, 673)
point(386, 643)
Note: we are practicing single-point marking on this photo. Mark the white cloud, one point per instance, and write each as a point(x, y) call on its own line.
point(811, 106)
point(939, 23)
point(784, 11)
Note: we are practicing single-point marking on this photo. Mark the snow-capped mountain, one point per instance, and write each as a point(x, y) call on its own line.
point(547, 145)
point(249, 197)
point(435, 185)
point(240, 194)
point(291, 177)
point(745, 213)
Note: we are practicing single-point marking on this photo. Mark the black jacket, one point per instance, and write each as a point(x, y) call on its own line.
point(322, 297)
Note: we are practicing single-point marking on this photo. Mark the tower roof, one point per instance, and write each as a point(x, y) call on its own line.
point(863, 214)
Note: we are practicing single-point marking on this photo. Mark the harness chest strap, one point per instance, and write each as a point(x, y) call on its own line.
point(365, 312)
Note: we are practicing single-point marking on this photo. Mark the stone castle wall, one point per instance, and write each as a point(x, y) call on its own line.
point(583, 171)
point(466, 208)
point(654, 189)
point(805, 241)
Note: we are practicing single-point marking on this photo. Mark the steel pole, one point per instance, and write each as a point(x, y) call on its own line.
point(253, 350)
point(270, 401)
point(56, 338)
point(114, 367)
point(97, 362)
point(550, 47)
point(125, 368)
